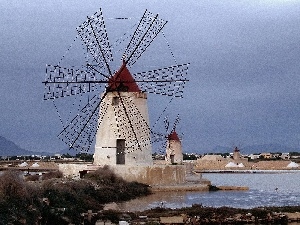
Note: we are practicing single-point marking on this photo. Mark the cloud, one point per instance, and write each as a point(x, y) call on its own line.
point(244, 72)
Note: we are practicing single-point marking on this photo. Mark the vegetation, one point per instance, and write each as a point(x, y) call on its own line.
point(294, 153)
point(52, 174)
point(56, 200)
point(189, 157)
point(85, 157)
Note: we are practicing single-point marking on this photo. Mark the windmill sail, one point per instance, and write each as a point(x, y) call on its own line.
point(94, 35)
point(62, 82)
point(80, 132)
point(168, 81)
point(149, 27)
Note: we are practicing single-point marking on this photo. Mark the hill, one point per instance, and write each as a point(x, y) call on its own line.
point(9, 148)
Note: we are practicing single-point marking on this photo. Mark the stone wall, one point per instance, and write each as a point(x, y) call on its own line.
point(152, 175)
point(72, 169)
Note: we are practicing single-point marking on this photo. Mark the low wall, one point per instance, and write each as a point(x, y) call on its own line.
point(152, 175)
point(72, 169)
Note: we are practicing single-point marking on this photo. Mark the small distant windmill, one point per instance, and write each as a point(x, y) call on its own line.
point(236, 153)
point(118, 117)
point(173, 144)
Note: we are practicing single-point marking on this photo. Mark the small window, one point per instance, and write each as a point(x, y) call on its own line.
point(120, 153)
point(115, 101)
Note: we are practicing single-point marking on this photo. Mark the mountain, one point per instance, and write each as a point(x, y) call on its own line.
point(221, 149)
point(268, 148)
point(251, 149)
point(72, 151)
point(9, 148)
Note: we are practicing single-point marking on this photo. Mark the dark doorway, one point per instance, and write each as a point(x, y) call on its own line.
point(120, 151)
point(172, 159)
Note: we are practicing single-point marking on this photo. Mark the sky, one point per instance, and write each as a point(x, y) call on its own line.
point(244, 73)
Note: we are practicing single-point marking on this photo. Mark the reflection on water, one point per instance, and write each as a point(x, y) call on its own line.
point(159, 199)
point(276, 189)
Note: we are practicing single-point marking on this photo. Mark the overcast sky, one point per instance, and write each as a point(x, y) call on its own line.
point(244, 72)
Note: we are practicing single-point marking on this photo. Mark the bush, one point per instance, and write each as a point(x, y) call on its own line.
point(22, 200)
point(104, 176)
point(75, 196)
point(17, 199)
point(111, 187)
point(34, 177)
point(52, 174)
point(12, 185)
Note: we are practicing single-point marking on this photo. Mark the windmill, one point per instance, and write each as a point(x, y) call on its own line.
point(117, 117)
point(168, 143)
point(173, 144)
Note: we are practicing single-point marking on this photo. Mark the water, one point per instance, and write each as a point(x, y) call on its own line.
point(265, 189)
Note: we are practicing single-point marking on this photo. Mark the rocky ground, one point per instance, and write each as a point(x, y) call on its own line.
point(199, 214)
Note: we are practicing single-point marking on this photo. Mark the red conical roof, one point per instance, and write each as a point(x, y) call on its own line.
point(122, 80)
point(173, 136)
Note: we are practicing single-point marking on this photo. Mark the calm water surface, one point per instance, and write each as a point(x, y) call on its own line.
point(265, 189)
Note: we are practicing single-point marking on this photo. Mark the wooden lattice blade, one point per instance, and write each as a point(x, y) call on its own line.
point(149, 27)
point(168, 81)
point(157, 137)
point(94, 35)
point(62, 82)
point(80, 132)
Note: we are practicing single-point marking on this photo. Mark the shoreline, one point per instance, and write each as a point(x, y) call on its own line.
point(183, 187)
point(198, 188)
point(198, 214)
point(215, 215)
point(246, 171)
point(236, 190)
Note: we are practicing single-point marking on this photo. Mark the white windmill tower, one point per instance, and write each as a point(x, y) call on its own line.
point(123, 136)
